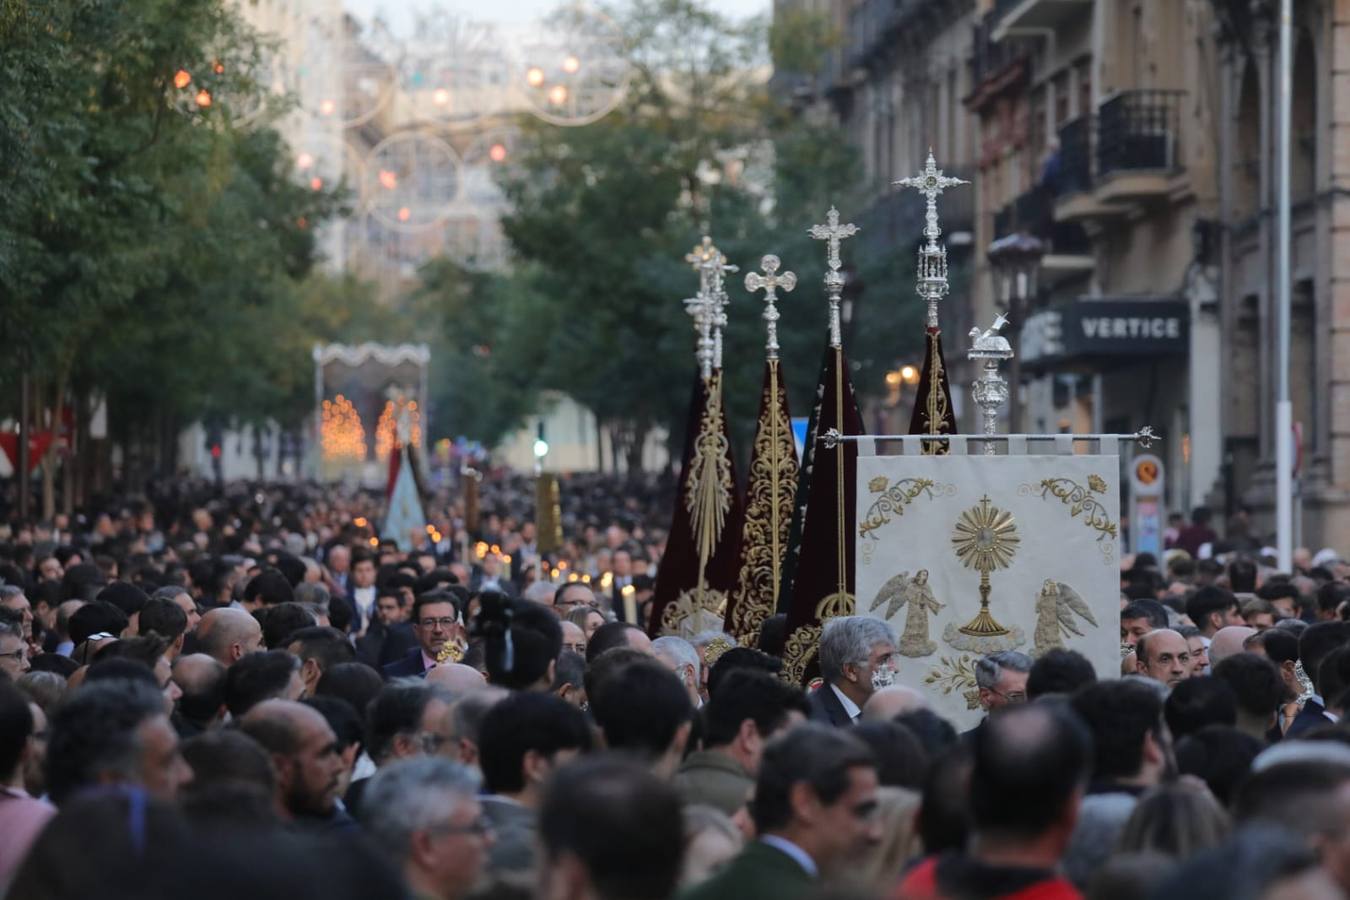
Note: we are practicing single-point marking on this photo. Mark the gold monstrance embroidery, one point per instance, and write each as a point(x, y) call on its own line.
point(985, 540)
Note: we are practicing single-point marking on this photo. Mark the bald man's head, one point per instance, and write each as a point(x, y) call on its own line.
point(202, 681)
point(457, 678)
point(228, 634)
point(1228, 642)
point(890, 702)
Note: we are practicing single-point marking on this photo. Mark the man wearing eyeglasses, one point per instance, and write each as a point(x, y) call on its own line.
point(436, 622)
point(424, 814)
point(13, 650)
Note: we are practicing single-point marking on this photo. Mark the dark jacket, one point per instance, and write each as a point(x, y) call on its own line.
point(826, 708)
point(760, 872)
point(409, 665)
point(1309, 717)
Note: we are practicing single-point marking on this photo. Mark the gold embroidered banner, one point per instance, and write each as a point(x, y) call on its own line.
point(968, 555)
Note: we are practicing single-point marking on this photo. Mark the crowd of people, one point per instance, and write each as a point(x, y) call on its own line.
point(206, 694)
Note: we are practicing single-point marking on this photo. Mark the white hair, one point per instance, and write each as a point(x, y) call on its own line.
point(680, 652)
point(849, 640)
point(541, 592)
point(414, 795)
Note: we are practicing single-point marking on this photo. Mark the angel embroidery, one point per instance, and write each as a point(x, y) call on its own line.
point(915, 591)
point(1056, 606)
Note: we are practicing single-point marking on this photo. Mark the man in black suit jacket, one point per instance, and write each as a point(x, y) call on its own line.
point(436, 622)
point(1314, 645)
point(857, 658)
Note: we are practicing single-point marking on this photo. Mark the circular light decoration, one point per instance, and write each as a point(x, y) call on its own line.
point(411, 180)
point(485, 160)
point(573, 71)
point(323, 161)
point(453, 69)
point(348, 79)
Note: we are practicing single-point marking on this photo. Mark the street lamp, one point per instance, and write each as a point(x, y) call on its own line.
point(1016, 260)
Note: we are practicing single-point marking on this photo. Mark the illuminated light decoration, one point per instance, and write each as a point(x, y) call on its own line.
point(414, 170)
point(579, 69)
point(431, 529)
point(388, 180)
point(327, 108)
point(316, 183)
point(570, 65)
point(497, 153)
point(557, 95)
point(562, 564)
point(909, 374)
point(506, 558)
point(342, 437)
point(203, 98)
point(359, 521)
point(534, 77)
point(385, 429)
point(404, 214)
point(374, 542)
point(586, 579)
point(304, 161)
point(219, 68)
point(440, 97)
point(181, 79)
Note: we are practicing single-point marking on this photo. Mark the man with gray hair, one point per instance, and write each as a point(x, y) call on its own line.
point(1002, 679)
point(857, 659)
point(678, 655)
point(424, 813)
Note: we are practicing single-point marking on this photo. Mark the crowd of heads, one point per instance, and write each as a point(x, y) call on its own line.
point(253, 692)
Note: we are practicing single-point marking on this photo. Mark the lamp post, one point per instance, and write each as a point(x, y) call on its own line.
point(1016, 260)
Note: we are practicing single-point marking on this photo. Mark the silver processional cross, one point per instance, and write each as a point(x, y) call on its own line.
point(769, 283)
point(832, 233)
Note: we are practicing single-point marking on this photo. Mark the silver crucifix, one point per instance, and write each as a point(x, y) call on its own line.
point(932, 276)
point(769, 283)
point(832, 233)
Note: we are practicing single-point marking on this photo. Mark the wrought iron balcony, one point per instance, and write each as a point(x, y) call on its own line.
point(1138, 130)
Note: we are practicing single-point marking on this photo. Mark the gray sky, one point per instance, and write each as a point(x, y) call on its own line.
point(508, 13)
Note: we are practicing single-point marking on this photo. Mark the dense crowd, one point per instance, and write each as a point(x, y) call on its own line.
point(251, 693)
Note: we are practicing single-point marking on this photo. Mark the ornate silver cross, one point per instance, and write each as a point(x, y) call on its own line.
point(769, 283)
point(832, 233)
point(932, 275)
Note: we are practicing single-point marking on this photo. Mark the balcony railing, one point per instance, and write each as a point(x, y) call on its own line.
point(1075, 155)
point(1138, 130)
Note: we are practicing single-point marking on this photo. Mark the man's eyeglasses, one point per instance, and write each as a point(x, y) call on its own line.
point(443, 621)
point(481, 827)
point(17, 655)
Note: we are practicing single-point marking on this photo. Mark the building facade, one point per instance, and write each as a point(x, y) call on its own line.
point(1246, 83)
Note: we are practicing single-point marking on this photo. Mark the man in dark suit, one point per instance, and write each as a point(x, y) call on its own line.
point(857, 658)
point(1314, 645)
point(814, 807)
point(436, 622)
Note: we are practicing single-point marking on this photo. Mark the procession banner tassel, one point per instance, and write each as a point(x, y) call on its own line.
point(769, 496)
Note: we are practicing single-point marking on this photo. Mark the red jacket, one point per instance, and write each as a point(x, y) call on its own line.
point(947, 877)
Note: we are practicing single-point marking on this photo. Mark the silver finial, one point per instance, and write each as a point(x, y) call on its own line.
point(932, 275)
point(769, 283)
point(832, 233)
point(990, 390)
